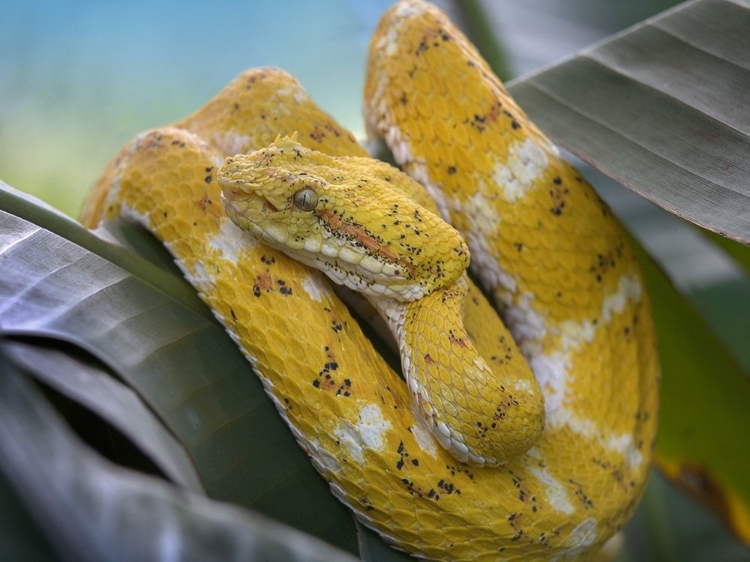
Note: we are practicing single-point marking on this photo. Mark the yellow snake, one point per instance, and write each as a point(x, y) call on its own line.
point(543, 245)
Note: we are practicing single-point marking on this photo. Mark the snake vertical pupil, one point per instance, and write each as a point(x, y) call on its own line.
point(305, 199)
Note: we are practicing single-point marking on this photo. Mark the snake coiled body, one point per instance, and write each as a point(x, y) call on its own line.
point(547, 250)
point(361, 222)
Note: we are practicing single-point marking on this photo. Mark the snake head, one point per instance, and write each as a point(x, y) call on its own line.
point(337, 215)
point(270, 202)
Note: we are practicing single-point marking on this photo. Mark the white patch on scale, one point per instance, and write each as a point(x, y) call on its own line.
point(231, 240)
point(299, 95)
point(525, 323)
point(624, 444)
point(325, 461)
point(425, 440)
point(231, 143)
point(557, 496)
point(523, 166)
point(315, 287)
point(388, 43)
point(197, 276)
point(368, 433)
point(409, 9)
point(581, 537)
point(483, 261)
point(552, 370)
point(129, 213)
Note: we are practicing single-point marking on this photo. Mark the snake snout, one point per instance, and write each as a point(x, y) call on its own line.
point(239, 188)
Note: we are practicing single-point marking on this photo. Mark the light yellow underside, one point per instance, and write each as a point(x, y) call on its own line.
point(544, 245)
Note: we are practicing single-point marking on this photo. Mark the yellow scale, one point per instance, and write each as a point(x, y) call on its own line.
point(544, 246)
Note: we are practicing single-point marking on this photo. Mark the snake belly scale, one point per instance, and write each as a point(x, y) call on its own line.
point(546, 249)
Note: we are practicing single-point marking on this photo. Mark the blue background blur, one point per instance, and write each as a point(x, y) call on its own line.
point(78, 79)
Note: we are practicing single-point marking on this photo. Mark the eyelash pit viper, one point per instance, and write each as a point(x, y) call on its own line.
point(532, 441)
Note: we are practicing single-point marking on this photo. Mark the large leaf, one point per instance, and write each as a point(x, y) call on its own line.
point(37, 212)
point(180, 362)
point(726, 308)
point(661, 108)
point(702, 441)
point(92, 510)
point(93, 387)
point(671, 527)
point(21, 539)
point(738, 252)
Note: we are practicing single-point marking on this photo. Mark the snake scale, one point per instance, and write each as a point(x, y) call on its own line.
point(529, 441)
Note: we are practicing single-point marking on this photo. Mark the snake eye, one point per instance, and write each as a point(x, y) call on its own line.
point(306, 199)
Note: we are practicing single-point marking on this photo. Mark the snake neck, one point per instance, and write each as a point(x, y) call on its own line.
point(482, 413)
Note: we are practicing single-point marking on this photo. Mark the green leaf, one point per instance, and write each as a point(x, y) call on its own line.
point(92, 510)
point(93, 387)
point(477, 26)
point(725, 307)
point(702, 443)
point(181, 364)
point(37, 212)
point(661, 108)
point(142, 243)
point(739, 253)
point(669, 526)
